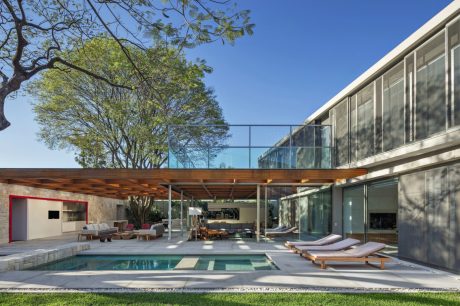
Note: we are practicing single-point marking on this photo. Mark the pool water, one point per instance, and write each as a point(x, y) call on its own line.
point(159, 262)
point(112, 262)
point(235, 263)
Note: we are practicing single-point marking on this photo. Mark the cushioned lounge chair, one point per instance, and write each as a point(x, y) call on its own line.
point(323, 241)
point(281, 233)
point(363, 253)
point(337, 246)
point(279, 228)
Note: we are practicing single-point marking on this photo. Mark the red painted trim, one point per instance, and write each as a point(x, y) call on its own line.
point(13, 196)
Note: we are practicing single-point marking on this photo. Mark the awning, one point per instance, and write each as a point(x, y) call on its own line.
point(197, 183)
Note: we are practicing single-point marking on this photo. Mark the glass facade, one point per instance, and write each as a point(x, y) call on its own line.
point(453, 31)
point(393, 108)
point(414, 99)
point(353, 213)
point(315, 215)
point(370, 212)
point(250, 146)
point(430, 99)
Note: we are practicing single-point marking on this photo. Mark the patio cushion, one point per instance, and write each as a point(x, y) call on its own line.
point(90, 227)
point(341, 245)
point(360, 251)
point(104, 226)
point(323, 241)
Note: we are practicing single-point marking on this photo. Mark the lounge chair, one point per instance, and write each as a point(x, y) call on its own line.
point(363, 253)
point(323, 241)
point(337, 246)
point(279, 228)
point(281, 233)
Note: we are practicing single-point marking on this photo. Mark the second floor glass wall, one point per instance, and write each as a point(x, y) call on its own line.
point(414, 99)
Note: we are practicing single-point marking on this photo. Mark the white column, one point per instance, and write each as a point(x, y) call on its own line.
point(181, 213)
point(266, 208)
point(258, 213)
point(169, 211)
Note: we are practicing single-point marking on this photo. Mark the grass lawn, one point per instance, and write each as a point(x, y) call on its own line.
point(400, 299)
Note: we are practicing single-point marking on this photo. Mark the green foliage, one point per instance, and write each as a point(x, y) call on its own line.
point(155, 215)
point(117, 127)
point(202, 299)
point(38, 35)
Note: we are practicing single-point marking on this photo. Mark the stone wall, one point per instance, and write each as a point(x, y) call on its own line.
point(99, 209)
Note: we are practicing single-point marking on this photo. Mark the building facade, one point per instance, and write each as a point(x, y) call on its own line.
point(401, 121)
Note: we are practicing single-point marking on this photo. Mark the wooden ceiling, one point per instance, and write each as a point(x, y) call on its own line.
point(197, 183)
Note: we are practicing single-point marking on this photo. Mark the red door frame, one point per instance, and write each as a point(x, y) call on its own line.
point(13, 196)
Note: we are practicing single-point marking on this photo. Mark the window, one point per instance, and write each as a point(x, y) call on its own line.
point(393, 108)
point(365, 122)
point(430, 103)
point(454, 59)
point(409, 99)
point(341, 132)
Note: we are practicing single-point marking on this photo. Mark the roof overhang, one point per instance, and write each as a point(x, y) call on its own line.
point(197, 183)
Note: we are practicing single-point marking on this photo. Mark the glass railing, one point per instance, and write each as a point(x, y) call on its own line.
point(220, 147)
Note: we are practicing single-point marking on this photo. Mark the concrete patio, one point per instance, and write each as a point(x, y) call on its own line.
point(295, 273)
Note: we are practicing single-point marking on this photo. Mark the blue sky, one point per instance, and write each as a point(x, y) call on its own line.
point(302, 53)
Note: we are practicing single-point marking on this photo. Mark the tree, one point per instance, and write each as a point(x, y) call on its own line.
point(114, 127)
point(35, 34)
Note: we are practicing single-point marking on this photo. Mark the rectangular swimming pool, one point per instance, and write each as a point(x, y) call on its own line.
point(160, 262)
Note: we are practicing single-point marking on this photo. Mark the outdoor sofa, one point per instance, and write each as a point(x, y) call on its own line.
point(337, 246)
point(364, 253)
point(97, 230)
point(323, 241)
point(155, 231)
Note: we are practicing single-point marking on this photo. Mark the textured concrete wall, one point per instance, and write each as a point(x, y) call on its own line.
point(99, 209)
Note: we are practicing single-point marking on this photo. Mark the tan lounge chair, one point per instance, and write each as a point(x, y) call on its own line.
point(338, 246)
point(281, 233)
point(323, 241)
point(363, 253)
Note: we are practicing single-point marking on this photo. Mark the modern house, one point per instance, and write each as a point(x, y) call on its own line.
point(378, 162)
point(401, 121)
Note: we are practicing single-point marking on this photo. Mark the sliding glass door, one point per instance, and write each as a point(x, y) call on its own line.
point(353, 213)
point(370, 213)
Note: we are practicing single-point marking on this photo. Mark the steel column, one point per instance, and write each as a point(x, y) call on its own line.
point(169, 211)
point(258, 213)
point(181, 213)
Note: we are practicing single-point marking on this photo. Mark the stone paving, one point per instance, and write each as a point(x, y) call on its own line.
point(295, 273)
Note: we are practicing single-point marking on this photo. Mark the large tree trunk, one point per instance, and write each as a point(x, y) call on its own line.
point(140, 207)
point(4, 123)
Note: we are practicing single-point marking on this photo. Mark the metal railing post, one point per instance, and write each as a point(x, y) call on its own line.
point(290, 146)
point(250, 143)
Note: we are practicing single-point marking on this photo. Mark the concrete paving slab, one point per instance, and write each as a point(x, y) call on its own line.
point(295, 272)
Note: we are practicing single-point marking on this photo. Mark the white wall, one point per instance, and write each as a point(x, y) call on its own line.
point(39, 224)
point(19, 219)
